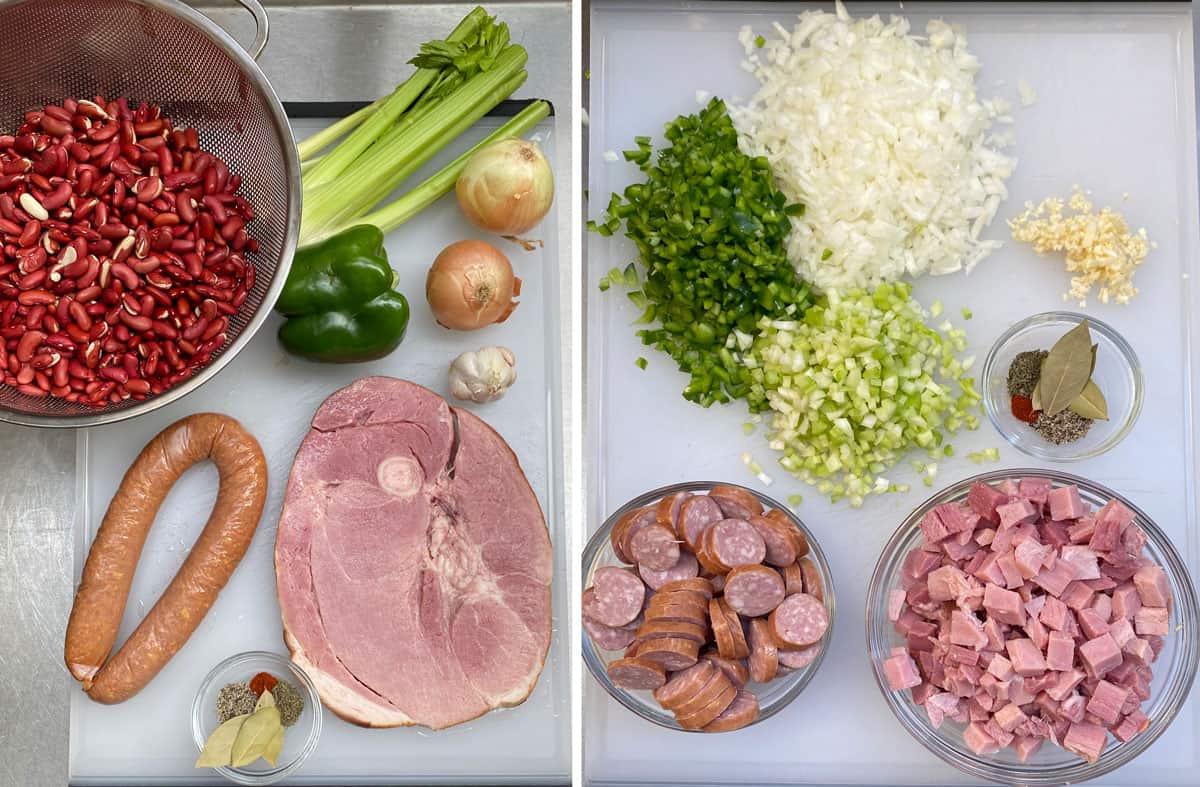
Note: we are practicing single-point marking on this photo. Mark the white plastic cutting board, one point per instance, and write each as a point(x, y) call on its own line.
point(1115, 112)
point(147, 740)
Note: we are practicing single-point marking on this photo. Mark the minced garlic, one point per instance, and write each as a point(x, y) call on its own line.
point(1100, 249)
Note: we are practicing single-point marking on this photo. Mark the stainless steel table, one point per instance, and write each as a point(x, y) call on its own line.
point(318, 51)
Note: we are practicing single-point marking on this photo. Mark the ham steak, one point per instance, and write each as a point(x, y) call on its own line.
point(412, 561)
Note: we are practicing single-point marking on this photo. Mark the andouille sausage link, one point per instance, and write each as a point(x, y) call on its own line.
point(108, 572)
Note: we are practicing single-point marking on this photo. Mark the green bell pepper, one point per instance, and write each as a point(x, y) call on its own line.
point(340, 301)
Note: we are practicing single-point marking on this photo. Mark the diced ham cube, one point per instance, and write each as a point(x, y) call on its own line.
point(918, 563)
point(1012, 574)
point(1140, 650)
point(1017, 512)
point(1060, 651)
point(895, 604)
point(1102, 605)
point(1111, 522)
point(1156, 644)
point(989, 570)
point(957, 550)
point(957, 518)
point(1054, 613)
point(994, 631)
point(1126, 601)
point(901, 672)
point(1073, 707)
point(1130, 726)
point(983, 500)
point(984, 700)
point(1152, 620)
point(978, 712)
point(1092, 624)
point(1122, 631)
point(984, 536)
point(1031, 557)
point(1081, 532)
point(921, 693)
point(1085, 561)
point(1085, 740)
point(1100, 655)
point(1038, 633)
point(910, 624)
point(1055, 534)
point(966, 630)
point(1002, 541)
point(960, 655)
point(1001, 667)
point(1106, 702)
point(947, 583)
point(1047, 706)
point(1152, 586)
point(978, 741)
point(1018, 692)
point(1054, 580)
point(1026, 747)
point(933, 528)
point(1010, 717)
point(1025, 656)
point(1103, 583)
point(1067, 681)
point(998, 733)
point(976, 560)
point(1077, 596)
point(1004, 605)
point(1033, 606)
point(1065, 503)
point(1035, 490)
point(1133, 540)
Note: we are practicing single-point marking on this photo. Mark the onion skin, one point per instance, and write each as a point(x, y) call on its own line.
point(506, 188)
point(470, 286)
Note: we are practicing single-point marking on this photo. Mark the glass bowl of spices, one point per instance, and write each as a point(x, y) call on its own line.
point(227, 724)
point(1062, 386)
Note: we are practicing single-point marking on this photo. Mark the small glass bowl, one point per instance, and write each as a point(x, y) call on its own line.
point(299, 740)
point(1174, 669)
point(1118, 375)
point(772, 697)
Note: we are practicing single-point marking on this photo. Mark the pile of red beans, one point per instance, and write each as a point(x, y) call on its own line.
point(123, 252)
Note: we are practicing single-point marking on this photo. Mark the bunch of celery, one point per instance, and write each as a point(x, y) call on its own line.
point(457, 82)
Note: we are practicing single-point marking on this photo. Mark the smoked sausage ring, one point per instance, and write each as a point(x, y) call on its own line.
point(108, 572)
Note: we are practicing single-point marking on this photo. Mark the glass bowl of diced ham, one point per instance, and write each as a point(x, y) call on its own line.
point(1032, 627)
point(708, 607)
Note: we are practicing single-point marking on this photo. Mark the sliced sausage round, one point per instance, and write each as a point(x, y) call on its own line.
point(678, 610)
point(654, 547)
point(741, 649)
point(742, 712)
point(700, 585)
point(736, 542)
point(608, 637)
point(672, 628)
point(685, 684)
point(722, 631)
point(754, 590)
point(812, 579)
point(735, 502)
point(799, 621)
point(717, 684)
point(673, 653)
point(797, 534)
point(705, 715)
point(704, 554)
point(781, 545)
point(617, 596)
point(764, 655)
point(737, 670)
point(695, 515)
point(625, 527)
point(636, 674)
point(798, 659)
point(667, 509)
point(685, 568)
point(793, 579)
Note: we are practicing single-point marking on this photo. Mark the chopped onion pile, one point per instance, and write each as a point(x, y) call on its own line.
point(858, 382)
point(880, 134)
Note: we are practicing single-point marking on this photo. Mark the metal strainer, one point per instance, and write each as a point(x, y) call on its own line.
point(166, 53)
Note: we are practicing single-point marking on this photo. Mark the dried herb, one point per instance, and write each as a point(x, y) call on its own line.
point(218, 749)
point(256, 732)
point(289, 701)
point(1090, 403)
point(1024, 371)
point(1066, 426)
point(1066, 370)
point(235, 699)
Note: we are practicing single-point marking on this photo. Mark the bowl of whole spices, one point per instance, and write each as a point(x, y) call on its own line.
point(256, 718)
point(1062, 386)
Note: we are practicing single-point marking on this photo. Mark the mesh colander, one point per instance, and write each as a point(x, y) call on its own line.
point(166, 53)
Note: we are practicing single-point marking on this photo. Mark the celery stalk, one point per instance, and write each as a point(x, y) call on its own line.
point(309, 148)
point(395, 213)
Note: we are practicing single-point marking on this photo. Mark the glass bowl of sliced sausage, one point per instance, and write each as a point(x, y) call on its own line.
point(1032, 627)
point(708, 607)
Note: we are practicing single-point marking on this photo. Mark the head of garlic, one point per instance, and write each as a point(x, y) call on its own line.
point(483, 375)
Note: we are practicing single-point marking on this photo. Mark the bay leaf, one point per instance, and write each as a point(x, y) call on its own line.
point(271, 753)
point(1093, 369)
point(1036, 399)
point(265, 700)
point(1067, 369)
point(218, 749)
point(256, 732)
point(1090, 403)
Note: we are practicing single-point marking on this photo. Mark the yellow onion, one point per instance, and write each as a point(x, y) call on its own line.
point(506, 187)
point(471, 285)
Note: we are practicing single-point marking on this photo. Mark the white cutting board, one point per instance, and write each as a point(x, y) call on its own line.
point(147, 740)
point(1115, 112)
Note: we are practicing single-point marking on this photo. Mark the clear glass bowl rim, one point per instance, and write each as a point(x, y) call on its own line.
point(1176, 689)
point(312, 705)
point(1035, 450)
point(600, 540)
